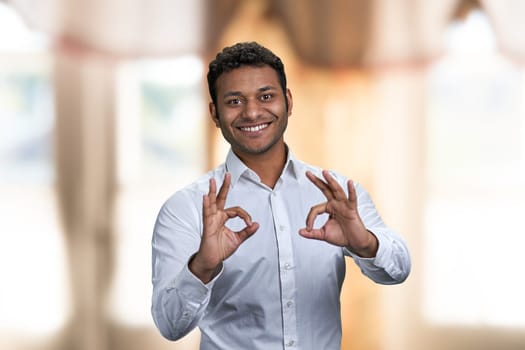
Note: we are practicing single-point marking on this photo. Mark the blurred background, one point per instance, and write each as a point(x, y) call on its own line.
point(103, 115)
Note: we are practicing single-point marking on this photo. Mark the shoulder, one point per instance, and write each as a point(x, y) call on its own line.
point(302, 167)
point(193, 192)
point(318, 171)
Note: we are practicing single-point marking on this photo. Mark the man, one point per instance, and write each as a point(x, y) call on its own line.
point(253, 253)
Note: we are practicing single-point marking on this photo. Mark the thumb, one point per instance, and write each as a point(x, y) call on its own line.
point(249, 230)
point(312, 233)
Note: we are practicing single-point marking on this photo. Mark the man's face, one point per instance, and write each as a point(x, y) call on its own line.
point(251, 110)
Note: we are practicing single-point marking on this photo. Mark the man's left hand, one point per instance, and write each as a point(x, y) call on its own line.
point(344, 227)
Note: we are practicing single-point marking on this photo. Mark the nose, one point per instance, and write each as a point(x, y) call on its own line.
point(252, 110)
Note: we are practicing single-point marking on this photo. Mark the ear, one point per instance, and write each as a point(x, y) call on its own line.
point(288, 97)
point(213, 114)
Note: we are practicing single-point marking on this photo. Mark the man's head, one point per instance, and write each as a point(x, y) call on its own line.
point(243, 54)
point(250, 101)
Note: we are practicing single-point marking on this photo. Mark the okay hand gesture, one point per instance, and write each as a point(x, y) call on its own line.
point(344, 226)
point(218, 241)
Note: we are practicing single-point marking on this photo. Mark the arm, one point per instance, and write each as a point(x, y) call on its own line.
point(218, 241)
point(391, 264)
point(186, 265)
point(179, 299)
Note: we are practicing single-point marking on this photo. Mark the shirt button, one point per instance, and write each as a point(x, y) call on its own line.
point(290, 343)
point(289, 304)
point(287, 266)
point(282, 227)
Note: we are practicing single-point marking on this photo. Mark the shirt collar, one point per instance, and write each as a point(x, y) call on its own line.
point(237, 168)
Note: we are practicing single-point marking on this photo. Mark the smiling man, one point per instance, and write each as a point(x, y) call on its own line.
point(253, 253)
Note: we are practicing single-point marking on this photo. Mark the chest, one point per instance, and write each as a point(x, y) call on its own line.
point(276, 252)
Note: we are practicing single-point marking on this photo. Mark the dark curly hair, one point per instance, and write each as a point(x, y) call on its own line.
point(243, 54)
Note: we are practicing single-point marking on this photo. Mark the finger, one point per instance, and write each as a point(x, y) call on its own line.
point(312, 234)
point(313, 213)
point(239, 212)
point(247, 231)
point(223, 192)
point(352, 195)
point(208, 201)
point(320, 184)
point(334, 186)
point(212, 195)
point(206, 210)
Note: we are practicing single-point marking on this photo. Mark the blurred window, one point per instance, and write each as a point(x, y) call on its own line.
point(476, 182)
point(34, 298)
point(161, 147)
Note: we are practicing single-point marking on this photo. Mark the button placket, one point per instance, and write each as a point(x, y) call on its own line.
point(287, 279)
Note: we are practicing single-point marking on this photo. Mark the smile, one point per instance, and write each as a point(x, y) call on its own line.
point(255, 128)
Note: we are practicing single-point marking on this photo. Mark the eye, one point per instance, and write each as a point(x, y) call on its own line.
point(266, 97)
point(234, 101)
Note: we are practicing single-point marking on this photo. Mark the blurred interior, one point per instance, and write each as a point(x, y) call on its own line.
point(103, 115)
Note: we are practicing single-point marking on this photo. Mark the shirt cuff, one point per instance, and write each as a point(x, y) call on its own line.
point(382, 258)
point(191, 287)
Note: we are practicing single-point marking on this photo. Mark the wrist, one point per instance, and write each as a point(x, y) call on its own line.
point(369, 249)
point(203, 272)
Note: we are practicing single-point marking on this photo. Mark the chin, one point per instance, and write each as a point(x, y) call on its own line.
point(257, 151)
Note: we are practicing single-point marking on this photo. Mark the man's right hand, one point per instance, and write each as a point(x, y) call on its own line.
point(218, 242)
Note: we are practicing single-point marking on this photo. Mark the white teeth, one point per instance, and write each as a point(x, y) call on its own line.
point(255, 128)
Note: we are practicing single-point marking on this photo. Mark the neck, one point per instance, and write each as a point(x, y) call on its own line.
point(267, 166)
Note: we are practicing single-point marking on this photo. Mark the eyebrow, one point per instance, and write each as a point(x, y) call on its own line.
point(238, 93)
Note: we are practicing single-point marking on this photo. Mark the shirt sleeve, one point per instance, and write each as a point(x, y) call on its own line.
point(179, 298)
point(392, 264)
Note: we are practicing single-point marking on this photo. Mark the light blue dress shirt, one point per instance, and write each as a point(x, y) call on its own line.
point(279, 290)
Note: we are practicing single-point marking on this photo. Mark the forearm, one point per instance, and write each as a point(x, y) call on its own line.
point(178, 306)
point(391, 265)
point(368, 248)
point(178, 299)
point(201, 271)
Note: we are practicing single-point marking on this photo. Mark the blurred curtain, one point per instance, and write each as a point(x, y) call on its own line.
point(332, 33)
point(118, 27)
point(90, 39)
point(84, 156)
point(348, 33)
point(507, 20)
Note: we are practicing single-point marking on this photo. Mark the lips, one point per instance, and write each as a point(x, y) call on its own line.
point(254, 128)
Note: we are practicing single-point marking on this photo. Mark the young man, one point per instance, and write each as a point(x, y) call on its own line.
point(253, 253)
